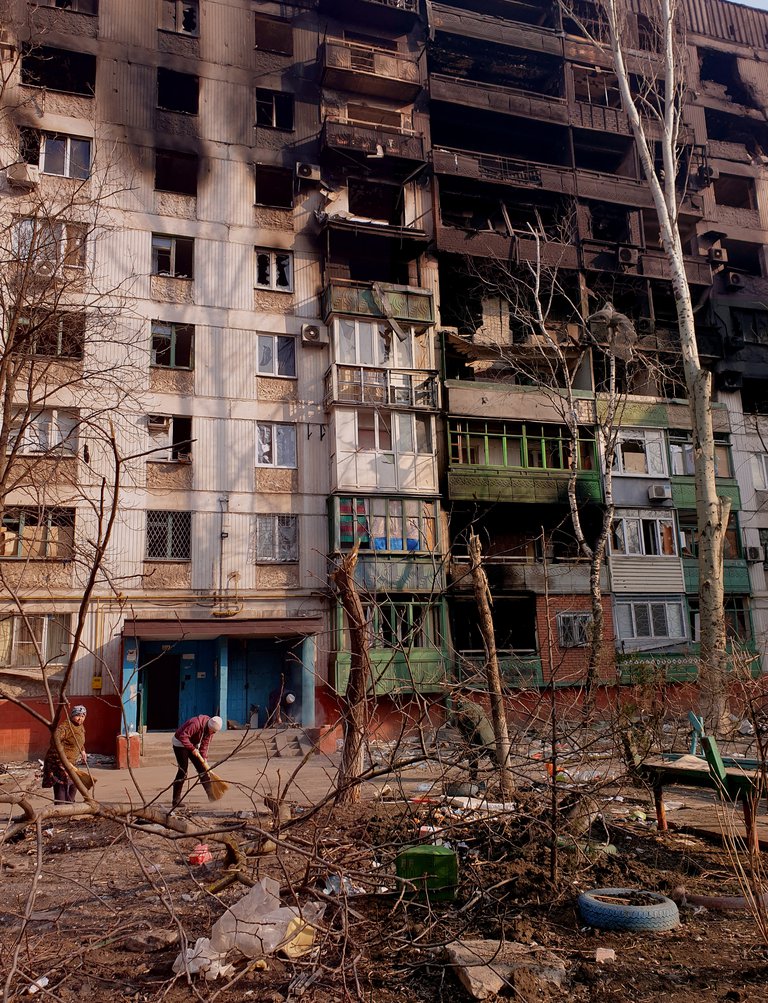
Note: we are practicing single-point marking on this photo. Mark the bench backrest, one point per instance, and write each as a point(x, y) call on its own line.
point(714, 759)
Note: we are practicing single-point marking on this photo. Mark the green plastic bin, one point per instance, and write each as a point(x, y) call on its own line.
point(433, 870)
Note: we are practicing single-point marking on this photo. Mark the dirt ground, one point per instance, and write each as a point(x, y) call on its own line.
point(100, 885)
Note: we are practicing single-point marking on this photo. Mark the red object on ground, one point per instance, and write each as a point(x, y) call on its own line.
point(128, 752)
point(200, 855)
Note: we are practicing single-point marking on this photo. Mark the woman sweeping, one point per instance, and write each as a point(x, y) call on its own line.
point(71, 735)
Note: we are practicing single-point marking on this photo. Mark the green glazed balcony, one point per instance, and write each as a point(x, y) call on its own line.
point(684, 492)
point(735, 576)
point(420, 670)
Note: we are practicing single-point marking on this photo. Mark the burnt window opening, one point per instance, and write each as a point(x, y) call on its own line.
point(176, 172)
point(735, 191)
point(726, 128)
point(514, 622)
point(58, 70)
point(475, 212)
point(373, 41)
point(273, 34)
point(584, 15)
point(501, 65)
point(376, 201)
point(177, 91)
point(742, 256)
point(274, 187)
point(722, 68)
point(609, 223)
point(370, 115)
point(751, 325)
point(180, 16)
point(173, 257)
point(78, 6)
point(274, 109)
point(608, 154)
point(648, 35)
point(596, 86)
point(754, 396)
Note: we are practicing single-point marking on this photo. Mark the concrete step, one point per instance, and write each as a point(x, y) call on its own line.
point(256, 743)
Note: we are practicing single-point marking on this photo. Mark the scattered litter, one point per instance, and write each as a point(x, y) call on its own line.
point(604, 954)
point(37, 985)
point(424, 787)
point(200, 855)
point(637, 815)
point(432, 833)
point(746, 727)
point(486, 967)
point(334, 885)
point(203, 959)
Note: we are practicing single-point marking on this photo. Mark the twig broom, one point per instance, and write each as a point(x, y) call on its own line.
point(214, 786)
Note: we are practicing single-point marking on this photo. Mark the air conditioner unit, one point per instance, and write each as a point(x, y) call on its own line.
point(708, 174)
point(718, 255)
point(314, 334)
point(734, 280)
point(659, 492)
point(158, 422)
point(23, 175)
point(628, 256)
point(307, 172)
point(755, 555)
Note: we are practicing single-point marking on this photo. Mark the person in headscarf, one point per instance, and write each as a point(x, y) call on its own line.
point(191, 742)
point(71, 735)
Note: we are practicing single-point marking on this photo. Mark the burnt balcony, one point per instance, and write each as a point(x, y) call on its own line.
point(599, 256)
point(406, 304)
point(503, 246)
point(398, 15)
point(381, 387)
point(506, 31)
point(363, 69)
point(583, 115)
point(497, 98)
point(372, 140)
point(564, 577)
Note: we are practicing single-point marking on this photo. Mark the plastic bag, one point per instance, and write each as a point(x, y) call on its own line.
point(203, 958)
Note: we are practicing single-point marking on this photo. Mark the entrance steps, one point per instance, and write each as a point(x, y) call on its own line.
point(255, 743)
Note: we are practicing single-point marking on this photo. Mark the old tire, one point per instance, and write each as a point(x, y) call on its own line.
point(661, 915)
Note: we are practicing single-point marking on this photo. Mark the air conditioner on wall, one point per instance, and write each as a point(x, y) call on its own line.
point(733, 280)
point(23, 175)
point(158, 423)
point(659, 492)
point(628, 255)
point(314, 334)
point(307, 172)
point(755, 555)
point(718, 255)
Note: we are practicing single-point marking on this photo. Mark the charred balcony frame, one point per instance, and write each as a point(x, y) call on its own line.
point(364, 69)
point(371, 141)
point(397, 15)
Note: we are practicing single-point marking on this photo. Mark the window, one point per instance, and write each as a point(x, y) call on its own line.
point(274, 109)
point(516, 444)
point(369, 115)
point(31, 533)
point(169, 536)
point(180, 16)
point(43, 431)
point(647, 619)
point(396, 524)
point(636, 534)
point(276, 445)
point(273, 34)
point(408, 624)
point(751, 325)
point(274, 270)
point(681, 455)
point(764, 544)
point(738, 623)
point(170, 437)
point(173, 256)
point(25, 640)
point(176, 172)
point(574, 629)
point(55, 153)
point(59, 335)
point(177, 91)
point(173, 345)
point(58, 69)
point(80, 6)
point(274, 187)
point(48, 244)
point(277, 539)
point(372, 343)
point(689, 536)
point(276, 355)
point(399, 433)
point(640, 452)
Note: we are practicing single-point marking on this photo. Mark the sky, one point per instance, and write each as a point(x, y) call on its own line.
point(760, 4)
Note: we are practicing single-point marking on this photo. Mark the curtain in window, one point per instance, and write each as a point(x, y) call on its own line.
point(264, 445)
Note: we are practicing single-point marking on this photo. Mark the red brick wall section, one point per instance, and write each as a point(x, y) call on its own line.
point(570, 664)
point(22, 737)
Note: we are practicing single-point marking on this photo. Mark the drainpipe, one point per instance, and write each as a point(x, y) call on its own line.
point(223, 534)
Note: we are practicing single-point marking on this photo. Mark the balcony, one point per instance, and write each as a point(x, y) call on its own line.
point(417, 670)
point(364, 69)
point(604, 257)
point(380, 387)
point(735, 576)
point(535, 487)
point(398, 15)
point(361, 137)
point(676, 667)
point(496, 98)
point(504, 246)
point(583, 115)
point(484, 399)
point(562, 577)
point(520, 668)
point(684, 492)
point(387, 573)
point(495, 29)
point(406, 304)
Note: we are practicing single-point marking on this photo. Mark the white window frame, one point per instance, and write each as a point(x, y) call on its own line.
point(66, 245)
point(398, 423)
point(574, 630)
point(648, 436)
point(271, 284)
point(640, 517)
point(275, 340)
point(269, 542)
point(272, 427)
point(367, 333)
point(763, 461)
point(634, 606)
point(45, 431)
point(172, 17)
point(38, 627)
point(165, 439)
point(43, 164)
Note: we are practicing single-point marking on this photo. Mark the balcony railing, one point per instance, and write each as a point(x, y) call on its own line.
point(395, 388)
point(370, 138)
point(406, 304)
point(368, 70)
point(498, 97)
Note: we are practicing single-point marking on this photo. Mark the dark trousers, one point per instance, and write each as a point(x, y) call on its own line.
point(183, 757)
point(64, 793)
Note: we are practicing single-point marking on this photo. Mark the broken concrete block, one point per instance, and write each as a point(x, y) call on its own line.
point(486, 967)
point(605, 954)
point(154, 940)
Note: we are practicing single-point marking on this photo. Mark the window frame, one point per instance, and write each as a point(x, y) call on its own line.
point(68, 239)
point(45, 424)
point(641, 517)
point(181, 156)
point(176, 438)
point(172, 333)
point(172, 250)
point(385, 621)
point(44, 331)
point(579, 624)
point(635, 603)
point(47, 520)
point(271, 285)
point(55, 53)
point(38, 140)
point(280, 48)
point(276, 340)
point(355, 336)
point(172, 517)
point(281, 174)
point(278, 105)
point(357, 527)
point(164, 74)
point(647, 435)
point(273, 426)
point(275, 520)
point(29, 622)
point(178, 17)
point(396, 430)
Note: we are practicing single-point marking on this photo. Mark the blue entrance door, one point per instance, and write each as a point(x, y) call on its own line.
point(255, 670)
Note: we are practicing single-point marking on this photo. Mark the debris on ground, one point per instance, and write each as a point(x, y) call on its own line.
point(488, 967)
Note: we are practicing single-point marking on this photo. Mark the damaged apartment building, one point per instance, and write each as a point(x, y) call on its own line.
point(309, 223)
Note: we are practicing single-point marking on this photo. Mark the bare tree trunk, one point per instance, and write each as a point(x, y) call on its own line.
point(355, 708)
point(493, 675)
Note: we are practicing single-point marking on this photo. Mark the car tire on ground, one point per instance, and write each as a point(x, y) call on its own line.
point(662, 914)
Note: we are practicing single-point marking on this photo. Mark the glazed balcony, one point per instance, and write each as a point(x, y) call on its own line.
point(381, 387)
point(735, 576)
point(360, 137)
point(497, 98)
point(417, 670)
point(407, 304)
point(388, 573)
point(363, 69)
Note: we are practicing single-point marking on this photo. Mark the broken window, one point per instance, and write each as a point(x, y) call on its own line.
point(170, 437)
point(640, 451)
point(275, 444)
point(55, 153)
point(31, 533)
point(738, 625)
point(80, 6)
point(177, 91)
point(48, 244)
point(649, 619)
point(752, 325)
point(176, 172)
point(372, 200)
point(47, 430)
point(735, 191)
point(274, 109)
point(595, 151)
point(173, 256)
point(594, 85)
point(689, 536)
point(25, 640)
point(738, 129)
point(276, 355)
point(743, 256)
point(516, 444)
point(370, 115)
point(172, 345)
point(373, 343)
point(274, 270)
point(273, 34)
point(514, 622)
point(648, 37)
point(277, 539)
point(59, 335)
point(386, 524)
point(636, 535)
point(274, 187)
point(180, 16)
point(411, 624)
point(609, 223)
point(58, 69)
point(722, 69)
point(682, 460)
point(169, 536)
point(574, 630)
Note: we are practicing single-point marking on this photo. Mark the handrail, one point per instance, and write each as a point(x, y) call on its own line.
point(501, 88)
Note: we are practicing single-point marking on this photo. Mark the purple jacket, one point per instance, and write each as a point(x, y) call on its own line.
point(194, 734)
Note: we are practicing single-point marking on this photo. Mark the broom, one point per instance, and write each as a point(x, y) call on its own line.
point(214, 786)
